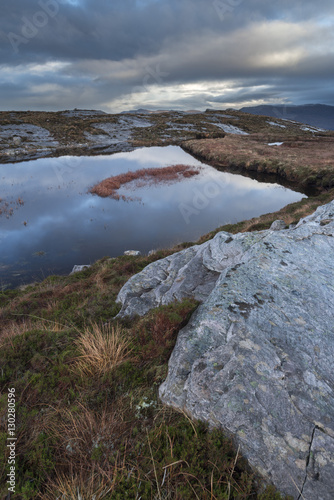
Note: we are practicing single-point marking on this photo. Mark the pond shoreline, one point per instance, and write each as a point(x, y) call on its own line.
point(158, 211)
point(200, 136)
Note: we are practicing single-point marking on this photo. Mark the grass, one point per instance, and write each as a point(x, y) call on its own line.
point(70, 131)
point(144, 176)
point(88, 417)
point(305, 162)
point(291, 214)
point(78, 487)
point(101, 349)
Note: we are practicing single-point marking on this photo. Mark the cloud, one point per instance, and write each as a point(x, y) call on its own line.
point(116, 55)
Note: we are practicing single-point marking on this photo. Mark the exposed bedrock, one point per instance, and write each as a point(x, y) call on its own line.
point(257, 356)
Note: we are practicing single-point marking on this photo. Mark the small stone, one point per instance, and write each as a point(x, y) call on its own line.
point(132, 253)
point(152, 252)
point(278, 225)
point(17, 141)
point(77, 269)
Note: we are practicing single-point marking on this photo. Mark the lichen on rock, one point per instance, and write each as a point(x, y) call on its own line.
point(256, 358)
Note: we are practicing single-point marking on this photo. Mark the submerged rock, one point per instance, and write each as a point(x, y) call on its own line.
point(257, 356)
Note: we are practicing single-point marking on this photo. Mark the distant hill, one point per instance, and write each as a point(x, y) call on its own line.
point(318, 115)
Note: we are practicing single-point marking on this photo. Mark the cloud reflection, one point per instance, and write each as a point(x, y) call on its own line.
point(71, 226)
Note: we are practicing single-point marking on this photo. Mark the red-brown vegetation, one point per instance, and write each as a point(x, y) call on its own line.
point(145, 176)
point(305, 161)
point(6, 209)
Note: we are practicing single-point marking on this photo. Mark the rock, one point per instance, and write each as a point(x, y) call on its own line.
point(152, 252)
point(77, 269)
point(17, 141)
point(257, 356)
point(133, 253)
point(278, 225)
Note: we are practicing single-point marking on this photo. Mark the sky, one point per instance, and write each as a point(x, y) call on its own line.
point(119, 55)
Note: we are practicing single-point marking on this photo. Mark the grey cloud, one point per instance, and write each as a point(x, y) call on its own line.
point(120, 29)
point(116, 49)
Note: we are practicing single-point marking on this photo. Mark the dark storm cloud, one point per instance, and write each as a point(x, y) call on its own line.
point(85, 53)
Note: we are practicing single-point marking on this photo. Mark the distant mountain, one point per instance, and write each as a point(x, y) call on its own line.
point(143, 111)
point(136, 111)
point(318, 115)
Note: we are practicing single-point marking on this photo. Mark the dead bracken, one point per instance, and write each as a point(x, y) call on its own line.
point(145, 176)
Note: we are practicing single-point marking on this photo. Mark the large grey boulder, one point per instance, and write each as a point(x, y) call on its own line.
point(257, 356)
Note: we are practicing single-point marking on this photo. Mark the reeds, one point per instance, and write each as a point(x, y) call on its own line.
point(110, 186)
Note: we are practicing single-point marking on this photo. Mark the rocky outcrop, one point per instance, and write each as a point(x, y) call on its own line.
point(257, 356)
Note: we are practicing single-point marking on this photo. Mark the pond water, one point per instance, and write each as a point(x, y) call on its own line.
point(52, 222)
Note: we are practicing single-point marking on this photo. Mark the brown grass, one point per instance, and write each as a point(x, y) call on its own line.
point(83, 432)
point(78, 487)
point(102, 348)
point(305, 161)
point(14, 328)
point(291, 214)
point(144, 176)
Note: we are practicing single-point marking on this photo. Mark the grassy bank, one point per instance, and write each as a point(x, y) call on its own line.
point(304, 162)
point(88, 418)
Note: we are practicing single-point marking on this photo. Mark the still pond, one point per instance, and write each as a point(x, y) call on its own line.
point(50, 221)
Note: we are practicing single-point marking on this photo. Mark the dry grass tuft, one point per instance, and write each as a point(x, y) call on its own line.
point(83, 432)
point(109, 187)
point(88, 454)
point(78, 487)
point(102, 349)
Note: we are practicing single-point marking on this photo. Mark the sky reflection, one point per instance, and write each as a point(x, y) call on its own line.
point(61, 224)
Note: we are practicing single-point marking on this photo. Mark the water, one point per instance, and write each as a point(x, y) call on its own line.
point(61, 224)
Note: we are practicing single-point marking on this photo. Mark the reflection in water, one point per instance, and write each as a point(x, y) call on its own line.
point(61, 224)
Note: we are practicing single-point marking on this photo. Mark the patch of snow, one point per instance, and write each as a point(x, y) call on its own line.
point(312, 129)
point(287, 120)
point(276, 124)
point(275, 143)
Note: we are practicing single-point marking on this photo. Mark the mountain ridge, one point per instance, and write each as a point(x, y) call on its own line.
point(317, 115)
